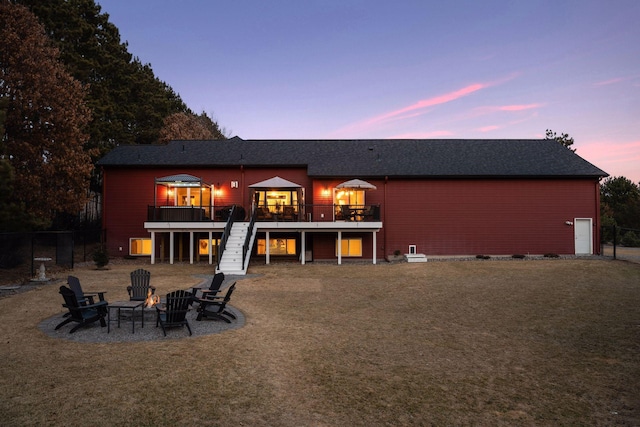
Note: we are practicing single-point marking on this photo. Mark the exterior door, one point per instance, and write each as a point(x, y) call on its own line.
point(583, 237)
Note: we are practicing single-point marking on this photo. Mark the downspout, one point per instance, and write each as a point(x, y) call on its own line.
point(598, 229)
point(384, 215)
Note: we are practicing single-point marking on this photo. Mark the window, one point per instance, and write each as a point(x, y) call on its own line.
point(276, 200)
point(277, 246)
point(203, 246)
point(350, 247)
point(139, 246)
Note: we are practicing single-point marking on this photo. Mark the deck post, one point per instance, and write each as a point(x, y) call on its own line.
point(210, 249)
point(171, 247)
point(302, 248)
point(266, 247)
point(153, 247)
point(191, 247)
point(374, 246)
point(339, 247)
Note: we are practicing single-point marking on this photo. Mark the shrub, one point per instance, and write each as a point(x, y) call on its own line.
point(101, 256)
point(397, 252)
point(551, 255)
point(630, 239)
point(483, 256)
point(517, 256)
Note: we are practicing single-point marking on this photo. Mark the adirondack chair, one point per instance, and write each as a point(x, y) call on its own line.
point(174, 312)
point(139, 289)
point(88, 297)
point(215, 308)
point(213, 289)
point(83, 314)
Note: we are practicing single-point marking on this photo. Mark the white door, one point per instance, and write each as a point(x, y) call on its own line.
point(582, 233)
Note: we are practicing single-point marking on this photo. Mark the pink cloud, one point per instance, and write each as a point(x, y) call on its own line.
point(415, 109)
point(488, 128)
point(430, 102)
point(609, 82)
point(615, 158)
point(519, 107)
point(422, 135)
point(509, 108)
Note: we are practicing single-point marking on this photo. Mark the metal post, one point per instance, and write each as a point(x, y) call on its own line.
point(615, 243)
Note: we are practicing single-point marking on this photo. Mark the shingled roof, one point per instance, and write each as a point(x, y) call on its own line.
point(368, 158)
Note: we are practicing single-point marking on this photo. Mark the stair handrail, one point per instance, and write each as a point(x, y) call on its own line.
point(225, 235)
point(247, 238)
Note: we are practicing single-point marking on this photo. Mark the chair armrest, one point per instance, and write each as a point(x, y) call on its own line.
point(99, 293)
point(86, 307)
point(206, 292)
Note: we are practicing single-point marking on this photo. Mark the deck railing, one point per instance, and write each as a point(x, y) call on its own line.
point(284, 213)
point(225, 235)
point(247, 240)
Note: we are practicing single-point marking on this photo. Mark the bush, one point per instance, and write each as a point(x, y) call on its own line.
point(517, 256)
point(630, 239)
point(101, 256)
point(551, 255)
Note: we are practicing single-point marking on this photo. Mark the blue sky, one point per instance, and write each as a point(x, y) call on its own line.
point(404, 69)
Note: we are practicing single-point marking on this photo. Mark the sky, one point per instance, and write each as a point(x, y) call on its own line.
point(378, 69)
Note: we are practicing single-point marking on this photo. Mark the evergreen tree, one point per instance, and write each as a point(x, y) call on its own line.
point(128, 102)
point(620, 199)
point(563, 139)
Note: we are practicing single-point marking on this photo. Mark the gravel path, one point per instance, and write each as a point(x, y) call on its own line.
point(94, 333)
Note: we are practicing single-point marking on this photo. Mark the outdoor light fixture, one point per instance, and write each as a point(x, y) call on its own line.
point(569, 222)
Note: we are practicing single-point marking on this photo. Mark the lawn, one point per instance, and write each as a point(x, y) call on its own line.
point(545, 343)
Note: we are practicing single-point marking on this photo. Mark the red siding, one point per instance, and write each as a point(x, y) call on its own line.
point(468, 217)
point(441, 217)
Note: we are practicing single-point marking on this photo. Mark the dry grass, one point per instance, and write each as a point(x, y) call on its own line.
point(443, 343)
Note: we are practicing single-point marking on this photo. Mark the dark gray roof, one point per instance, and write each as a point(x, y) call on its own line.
point(368, 158)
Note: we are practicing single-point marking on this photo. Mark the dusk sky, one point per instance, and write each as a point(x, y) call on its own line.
point(403, 69)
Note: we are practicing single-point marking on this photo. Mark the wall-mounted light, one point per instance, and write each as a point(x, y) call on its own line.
point(170, 192)
point(218, 190)
point(325, 192)
point(569, 222)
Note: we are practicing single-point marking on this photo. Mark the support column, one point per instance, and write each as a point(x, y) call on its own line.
point(210, 249)
point(191, 247)
point(266, 247)
point(153, 247)
point(339, 247)
point(303, 248)
point(171, 247)
point(374, 247)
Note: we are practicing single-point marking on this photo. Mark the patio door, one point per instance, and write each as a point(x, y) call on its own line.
point(583, 236)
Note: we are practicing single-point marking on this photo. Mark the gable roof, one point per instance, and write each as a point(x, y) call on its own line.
point(275, 182)
point(367, 158)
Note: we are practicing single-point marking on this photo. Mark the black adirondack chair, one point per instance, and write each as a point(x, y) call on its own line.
point(174, 312)
point(82, 314)
point(213, 289)
point(87, 297)
point(215, 308)
point(140, 285)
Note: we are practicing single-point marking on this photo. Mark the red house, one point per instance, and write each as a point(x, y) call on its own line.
point(227, 201)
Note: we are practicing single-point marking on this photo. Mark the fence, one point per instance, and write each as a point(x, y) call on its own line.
point(64, 248)
point(620, 242)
